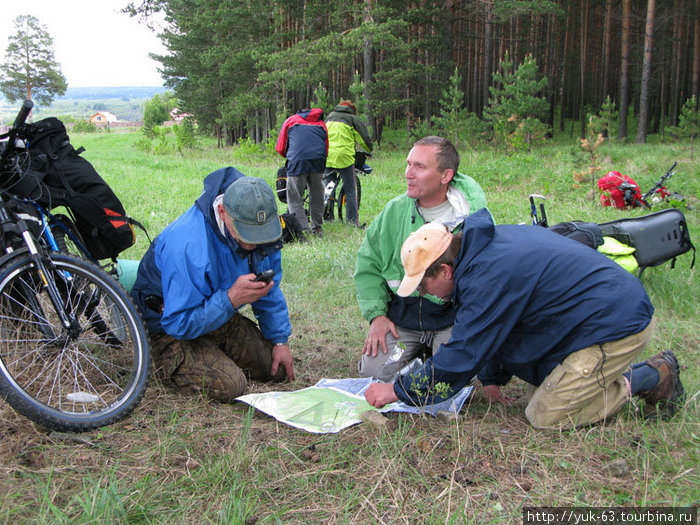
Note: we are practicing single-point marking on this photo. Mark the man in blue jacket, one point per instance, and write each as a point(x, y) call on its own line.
point(303, 140)
point(534, 304)
point(196, 276)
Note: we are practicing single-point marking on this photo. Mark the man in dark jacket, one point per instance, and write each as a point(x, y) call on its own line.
point(344, 131)
point(403, 328)
point(303, 140)
point(539, 306)
point(199, 272)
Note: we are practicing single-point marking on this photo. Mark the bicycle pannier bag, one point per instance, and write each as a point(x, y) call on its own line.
point(588, 233)
point(281, 184)
point(291, 229)
point(656, 238)
point(71, 181)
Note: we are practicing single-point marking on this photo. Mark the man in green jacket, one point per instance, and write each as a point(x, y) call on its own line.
point(401, 328)
point(344, 131)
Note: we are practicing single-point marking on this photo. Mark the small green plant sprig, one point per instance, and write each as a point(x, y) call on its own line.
point(420, 387)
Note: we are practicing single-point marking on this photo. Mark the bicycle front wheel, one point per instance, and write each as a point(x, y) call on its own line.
point(70, 376)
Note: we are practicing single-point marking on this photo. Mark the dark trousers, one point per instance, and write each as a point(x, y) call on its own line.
point(216, 364)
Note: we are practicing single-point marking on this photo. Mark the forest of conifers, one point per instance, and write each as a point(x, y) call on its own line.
point(241, 65)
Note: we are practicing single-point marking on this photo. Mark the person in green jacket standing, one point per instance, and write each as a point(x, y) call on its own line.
point(344, 131)
point(401, 328)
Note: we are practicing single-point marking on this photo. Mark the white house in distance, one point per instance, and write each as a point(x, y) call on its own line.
point(103, 118)
point(176, 117)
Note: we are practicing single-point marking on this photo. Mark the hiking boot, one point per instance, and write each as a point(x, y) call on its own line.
point(668, 393)
point(317, 232)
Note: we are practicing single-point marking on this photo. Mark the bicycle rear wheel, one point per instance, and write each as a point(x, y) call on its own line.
point(70, 378)
point(342, 198)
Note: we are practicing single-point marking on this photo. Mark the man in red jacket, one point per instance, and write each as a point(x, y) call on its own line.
point(303, 140)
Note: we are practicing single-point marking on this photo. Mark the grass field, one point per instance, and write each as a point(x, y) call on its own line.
point(188, 460)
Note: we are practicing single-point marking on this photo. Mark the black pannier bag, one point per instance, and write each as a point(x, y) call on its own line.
point(281, 184)
point(588, 233)
point(656, 238)
point(69, 180)
point(291, 229)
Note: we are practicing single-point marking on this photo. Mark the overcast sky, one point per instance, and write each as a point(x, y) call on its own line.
point(94, 43)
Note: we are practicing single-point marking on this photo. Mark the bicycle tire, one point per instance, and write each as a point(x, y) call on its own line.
point(341, 198)
point(329, 209)
point(67, 237)
point(330, 178)
point(79, 379)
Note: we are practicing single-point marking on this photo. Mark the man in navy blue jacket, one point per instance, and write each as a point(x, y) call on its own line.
point(542, 307)
point(199, 272)
point(303, 140)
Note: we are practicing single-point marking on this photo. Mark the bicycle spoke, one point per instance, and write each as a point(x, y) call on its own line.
point(95, 366)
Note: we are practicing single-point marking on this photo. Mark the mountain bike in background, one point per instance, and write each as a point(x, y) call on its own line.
point(334, 194)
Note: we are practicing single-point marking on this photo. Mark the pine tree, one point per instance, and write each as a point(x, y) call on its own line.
point(452, 111)
point(603, 121)
point(321, 99)
point(515, 111)
point(688, 123)
point(357, 89)
point(30, 70)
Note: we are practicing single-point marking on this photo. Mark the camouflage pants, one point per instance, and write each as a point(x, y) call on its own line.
point(216, 364)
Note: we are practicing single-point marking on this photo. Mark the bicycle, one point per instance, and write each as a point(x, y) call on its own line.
point(620, 191)
point(74, 352)
point(658, 192)
point(654, 238)
point(333, 183)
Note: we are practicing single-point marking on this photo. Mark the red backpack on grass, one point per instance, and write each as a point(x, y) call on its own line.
point(620, 191)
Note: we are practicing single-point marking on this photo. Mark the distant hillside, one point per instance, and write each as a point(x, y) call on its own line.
point(101, 93)
point(126, 103)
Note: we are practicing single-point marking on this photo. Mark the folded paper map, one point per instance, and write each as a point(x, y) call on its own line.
point(334, 404)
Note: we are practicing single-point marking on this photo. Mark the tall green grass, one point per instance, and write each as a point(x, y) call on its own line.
point(186, 460)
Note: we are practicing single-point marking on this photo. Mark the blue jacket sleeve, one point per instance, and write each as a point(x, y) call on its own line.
point(492, 373)
point(271, 310)
point(193, 307)
point(484, 320)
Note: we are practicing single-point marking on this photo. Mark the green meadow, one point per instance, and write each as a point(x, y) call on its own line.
point(188, 460)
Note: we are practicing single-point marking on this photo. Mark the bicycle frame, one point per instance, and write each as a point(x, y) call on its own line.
point(21, 230)
point(333, 192)
point(659, 186)
point(329, 191)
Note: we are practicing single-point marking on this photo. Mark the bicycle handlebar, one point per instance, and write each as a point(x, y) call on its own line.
point(27, 106)
point(11, 145)
point(660, 182)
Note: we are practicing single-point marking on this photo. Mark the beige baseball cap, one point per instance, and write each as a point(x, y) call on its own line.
point(422, 248)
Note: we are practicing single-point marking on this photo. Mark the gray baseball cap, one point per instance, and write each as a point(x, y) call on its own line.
point(250, 202)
